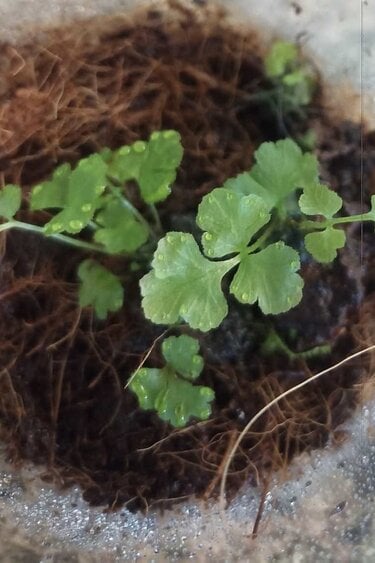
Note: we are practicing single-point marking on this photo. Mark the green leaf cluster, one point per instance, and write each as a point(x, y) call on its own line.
point(186, 283)
point(293, 77)
point(169, 390)
point(240, 222)
point(93, 197)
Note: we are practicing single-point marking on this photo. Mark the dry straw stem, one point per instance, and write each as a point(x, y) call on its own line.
point(274, 402)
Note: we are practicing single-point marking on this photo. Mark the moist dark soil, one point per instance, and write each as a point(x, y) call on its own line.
point(62, 402)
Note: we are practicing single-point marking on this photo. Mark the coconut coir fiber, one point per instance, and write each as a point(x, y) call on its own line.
point(62, 399)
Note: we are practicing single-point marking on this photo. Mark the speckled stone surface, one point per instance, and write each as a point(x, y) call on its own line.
point(325, 512)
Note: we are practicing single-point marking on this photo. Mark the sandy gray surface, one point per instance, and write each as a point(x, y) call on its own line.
point(326, 511)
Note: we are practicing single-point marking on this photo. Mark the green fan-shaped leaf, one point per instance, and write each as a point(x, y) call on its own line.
point(152, 164)
point(323, 245)
point(230, 221)
point(99, 288)
point(318, 199)
point(279, 58)
point(270, 278)
point(120, 232)
point(181, 353)
point(184, 284)
point(174, 399)
point(10, 201)
point(281, 167)
point(246, 185)
point(53, 193)
point(86, 183)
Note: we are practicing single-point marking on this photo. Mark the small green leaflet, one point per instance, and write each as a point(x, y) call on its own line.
point(281, 167)
point(86, 183)
point(184, 284)
point(99, 288)
point(10, 201)
point(230, 221)
point(323, 245)
point(120, 231)
point(174, 398)
point(280, 57)
point(53, 193)
point(181, 353)
point(318, 199)
point(152, 164)
point(270, 278)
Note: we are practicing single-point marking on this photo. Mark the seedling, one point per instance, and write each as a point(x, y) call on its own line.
point(246, 225)
point(293, 78)
point(170, 390)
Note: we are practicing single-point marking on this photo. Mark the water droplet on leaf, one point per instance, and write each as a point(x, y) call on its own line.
point(75, 224)
point(139, 146)
point(169, 134)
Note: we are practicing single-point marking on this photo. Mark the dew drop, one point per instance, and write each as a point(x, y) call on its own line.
point(139, 146)
point(229, 196)
point(169, 134)
point(183, 310)
point(155, 136)
point(197, 359)
point(161, 257)
point(207, 236)
point(75, 224)
point(124, 151)
point(56, 227)
point(183, 238)
point(210, 252)
point(37, 189)
point(86, 207)
point(245, 296)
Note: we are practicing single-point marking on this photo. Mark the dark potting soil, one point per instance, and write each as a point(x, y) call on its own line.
point(62, 397)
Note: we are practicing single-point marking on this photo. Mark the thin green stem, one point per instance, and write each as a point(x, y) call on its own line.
point(58, 237)
point(318, 225)
point(156, 218)
point(353, 218)
point(261, 240)
point(126, 203)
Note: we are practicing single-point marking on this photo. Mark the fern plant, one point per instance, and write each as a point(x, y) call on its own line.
point(245, 230)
